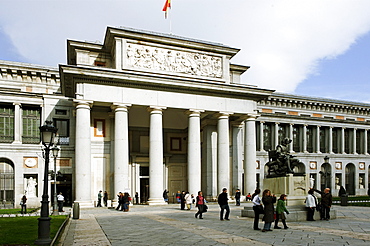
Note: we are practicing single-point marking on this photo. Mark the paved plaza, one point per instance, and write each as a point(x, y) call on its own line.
point(168, 225)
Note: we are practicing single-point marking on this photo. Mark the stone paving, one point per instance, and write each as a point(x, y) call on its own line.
point(168, 225)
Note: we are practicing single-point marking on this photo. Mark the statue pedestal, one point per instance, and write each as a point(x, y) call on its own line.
point(296, 188)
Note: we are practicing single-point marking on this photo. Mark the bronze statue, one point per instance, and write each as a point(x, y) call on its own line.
point(280, 161)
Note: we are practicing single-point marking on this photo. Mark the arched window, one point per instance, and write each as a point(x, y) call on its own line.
point(6, 183)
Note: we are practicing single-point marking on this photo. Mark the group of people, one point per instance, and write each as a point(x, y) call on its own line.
point(184, 198)
point(265, 206)
point(323, 207)
point(222, 202)
point(105, 198)
point(123, 201)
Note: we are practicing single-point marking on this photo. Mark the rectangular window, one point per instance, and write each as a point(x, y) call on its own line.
point(346, 141)
point(6, 123)
point(309, 135)
point(323, 140)
point(63, 130)
point(31, 124)
point(99, 128)
point(358, 142)
point(281, 132)
point(267, 136)
point(335, 140)
point(296, 142)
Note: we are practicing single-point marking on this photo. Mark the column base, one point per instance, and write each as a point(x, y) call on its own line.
point(156, 201)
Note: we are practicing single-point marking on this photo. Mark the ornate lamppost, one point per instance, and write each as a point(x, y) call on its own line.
point(55, 150)
point(48, 132)
point(326, 173)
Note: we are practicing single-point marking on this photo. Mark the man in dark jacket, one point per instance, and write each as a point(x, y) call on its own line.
point(326, 202)
point(237, 197)
point(223, 202)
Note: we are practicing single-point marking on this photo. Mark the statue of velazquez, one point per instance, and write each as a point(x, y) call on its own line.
point(281, 162)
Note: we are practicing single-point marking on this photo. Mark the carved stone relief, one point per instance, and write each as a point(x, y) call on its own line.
point(160, 59)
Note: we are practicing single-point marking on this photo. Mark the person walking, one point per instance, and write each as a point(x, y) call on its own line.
point(224, 205)
point(125, 202)
point(257, 208)
point(165, 195)
point(120, 201)
point(105, 198)
point(326, 202)
point(182, 200)
point(137, 197)
point(99, 199)
point(311, 203)
point(23, 204)
point(60, 199)
point(200, 204)
point(188, 200)
point(237, 197)
point(280, 209)
point(268, 201)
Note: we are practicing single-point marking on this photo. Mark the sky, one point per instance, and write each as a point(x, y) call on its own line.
point(318, 48)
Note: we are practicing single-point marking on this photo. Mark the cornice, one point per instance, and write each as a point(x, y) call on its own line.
point(70, 75)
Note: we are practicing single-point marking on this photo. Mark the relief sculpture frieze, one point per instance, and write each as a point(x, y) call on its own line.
point(160, 59)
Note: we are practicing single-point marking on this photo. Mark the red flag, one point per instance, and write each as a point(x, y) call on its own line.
point(167, 5)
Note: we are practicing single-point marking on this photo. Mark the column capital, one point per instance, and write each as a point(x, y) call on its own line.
point(194, 112)
point(120, 106)
point(85, 103)
point(17, 103)
point(223, 114)
point(152, 109)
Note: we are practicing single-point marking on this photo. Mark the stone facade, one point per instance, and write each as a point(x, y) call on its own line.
point(144, 112)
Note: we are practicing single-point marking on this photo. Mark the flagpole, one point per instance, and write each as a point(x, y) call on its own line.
point(170, 17)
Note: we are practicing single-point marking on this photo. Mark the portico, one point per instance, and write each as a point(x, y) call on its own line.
point(168, 103)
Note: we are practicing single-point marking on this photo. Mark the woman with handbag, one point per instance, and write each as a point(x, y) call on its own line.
point(201, 205)
point(268, 201)
point(257, 208)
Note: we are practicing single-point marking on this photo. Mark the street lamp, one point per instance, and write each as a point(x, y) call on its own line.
point(48, 132)
point(326, 173)
point(55, 150)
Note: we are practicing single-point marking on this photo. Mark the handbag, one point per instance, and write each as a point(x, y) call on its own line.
point(260, 209)
point(205, 208)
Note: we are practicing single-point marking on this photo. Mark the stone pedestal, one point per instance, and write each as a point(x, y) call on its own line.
point(296, 188)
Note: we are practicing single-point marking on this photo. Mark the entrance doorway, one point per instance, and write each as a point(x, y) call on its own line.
point(350, 179)
point(144, 190)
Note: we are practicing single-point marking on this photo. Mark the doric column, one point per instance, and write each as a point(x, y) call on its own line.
point(291, 137)
point(237, 151)
point(17, 123)
point(330, 150)
point(276, 133)
point(318, 139)
point(83, 153)
point(305, 138)
point(365, 142)
point(354, 145)
point(261, 147)
point(156, 156)
point(342, 141)
point(194, 157)
point(121, 148)
point(250, 154)
point(223, 165)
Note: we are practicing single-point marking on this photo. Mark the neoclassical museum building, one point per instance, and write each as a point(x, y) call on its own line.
point(143, 112)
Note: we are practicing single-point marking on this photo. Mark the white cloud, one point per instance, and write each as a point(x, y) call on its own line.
point(282, 41)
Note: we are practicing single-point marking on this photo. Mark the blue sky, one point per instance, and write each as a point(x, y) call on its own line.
point(314, 48)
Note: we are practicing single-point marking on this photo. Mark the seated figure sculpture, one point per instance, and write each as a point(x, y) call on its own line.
point(280, 161)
